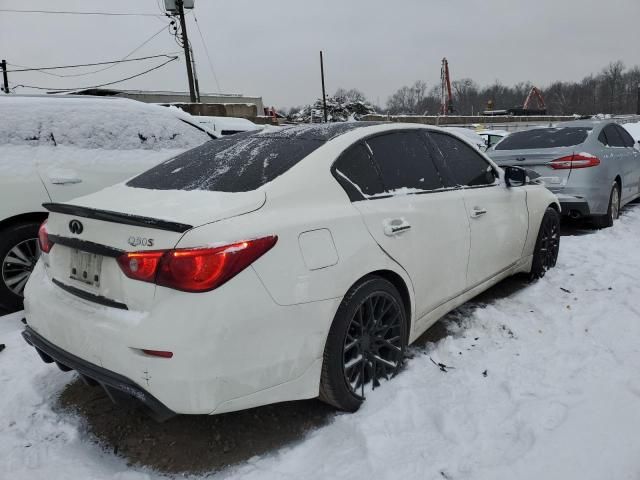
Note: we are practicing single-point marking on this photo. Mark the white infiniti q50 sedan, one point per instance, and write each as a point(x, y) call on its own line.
point(279, 265)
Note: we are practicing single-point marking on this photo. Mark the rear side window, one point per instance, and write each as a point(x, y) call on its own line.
point(627, 139)
point(613, 136)
point(544, 138)
point(238, 163)
point(464, 164)
point(356, 172)
point(404, 162)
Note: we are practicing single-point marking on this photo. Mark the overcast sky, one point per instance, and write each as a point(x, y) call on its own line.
point(271, 48)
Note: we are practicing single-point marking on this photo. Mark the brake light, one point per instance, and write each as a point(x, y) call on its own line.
point(158, 353)
point(43, 238)
point(141, 265)
point(579, 160)
point(194, 269)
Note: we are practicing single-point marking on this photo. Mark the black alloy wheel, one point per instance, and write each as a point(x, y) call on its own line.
point(547, 245)
point(366, 343)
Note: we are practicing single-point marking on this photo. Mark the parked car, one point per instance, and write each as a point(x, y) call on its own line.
point(223, 126)
point(279, 265)
point(470, 135)
point(634, 130)
point(55, 148)
point(592, 165)
point(492, 137)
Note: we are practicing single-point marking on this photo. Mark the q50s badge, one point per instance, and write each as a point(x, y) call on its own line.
point(139, 241)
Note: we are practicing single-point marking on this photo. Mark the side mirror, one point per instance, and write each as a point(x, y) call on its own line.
point(515, 176)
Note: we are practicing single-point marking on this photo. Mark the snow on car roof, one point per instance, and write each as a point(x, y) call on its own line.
point(94, 122)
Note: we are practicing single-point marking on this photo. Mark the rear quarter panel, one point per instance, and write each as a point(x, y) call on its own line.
point(21, 190)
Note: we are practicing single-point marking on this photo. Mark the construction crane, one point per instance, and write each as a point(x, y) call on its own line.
point(446, 98)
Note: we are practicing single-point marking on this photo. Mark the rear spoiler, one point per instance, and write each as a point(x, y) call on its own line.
point(117, 217)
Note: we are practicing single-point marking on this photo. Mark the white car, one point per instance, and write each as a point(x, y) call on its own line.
point(55, 148)
point(223, 126)
point(492, 137)
point(470, 136)
point(279, 265)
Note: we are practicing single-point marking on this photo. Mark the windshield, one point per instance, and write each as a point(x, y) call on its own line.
point(544, 138)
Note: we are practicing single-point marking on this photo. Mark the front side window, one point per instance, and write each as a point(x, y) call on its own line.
point(405, 163)
point(465, 165)
point(627, 139)
point(356, 173)
point(613, 136)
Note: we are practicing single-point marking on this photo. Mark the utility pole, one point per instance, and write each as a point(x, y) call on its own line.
point(6, 80)
point(324, 93)
point(637, 108)
point(187, 51)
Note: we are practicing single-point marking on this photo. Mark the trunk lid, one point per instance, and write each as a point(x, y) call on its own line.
point(537, 160)
point(89, 234)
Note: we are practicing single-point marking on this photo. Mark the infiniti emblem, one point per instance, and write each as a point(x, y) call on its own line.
point(75, 227)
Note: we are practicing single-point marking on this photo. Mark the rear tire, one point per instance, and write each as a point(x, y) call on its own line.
point(366, 343)
point(613, 210)
point(19, 252)
point(547, 246)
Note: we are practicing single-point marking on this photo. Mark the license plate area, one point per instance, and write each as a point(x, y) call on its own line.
point(85, 267)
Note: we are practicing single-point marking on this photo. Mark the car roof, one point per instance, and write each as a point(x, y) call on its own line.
point(588, 123)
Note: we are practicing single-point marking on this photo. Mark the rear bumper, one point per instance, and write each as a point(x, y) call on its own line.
point(574, 207)
point(117, 387)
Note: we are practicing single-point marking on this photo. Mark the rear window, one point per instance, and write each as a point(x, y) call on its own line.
point(239, 163)
point(544, 138)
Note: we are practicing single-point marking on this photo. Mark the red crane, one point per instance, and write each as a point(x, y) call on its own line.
point(446, 98)
point(538, 95)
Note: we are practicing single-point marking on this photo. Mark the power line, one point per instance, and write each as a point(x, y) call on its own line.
point(215, 77)
point(69, 75)
point(64, 12)
point(34, 69)
point(171, 59)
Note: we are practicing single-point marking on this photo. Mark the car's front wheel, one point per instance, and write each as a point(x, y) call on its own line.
point(547, 246)
point(19, 252)
point(366, 343)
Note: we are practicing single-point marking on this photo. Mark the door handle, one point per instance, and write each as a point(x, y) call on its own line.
point(65, 181)
point(395, 226)
point(478, 212)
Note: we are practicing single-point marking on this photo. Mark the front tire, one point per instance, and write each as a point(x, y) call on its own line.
point(547, 246)
point(19, 252)
point(613, 210)
point(366, 343)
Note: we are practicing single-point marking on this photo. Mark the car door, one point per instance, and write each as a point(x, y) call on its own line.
point(632, 164)
point(621, 159)
point(418, 223)
point(498, 216)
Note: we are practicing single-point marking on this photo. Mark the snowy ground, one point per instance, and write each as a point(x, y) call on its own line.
point(542, 384)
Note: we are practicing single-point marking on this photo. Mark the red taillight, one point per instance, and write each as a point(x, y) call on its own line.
point(197, 269)
point(141, 265)
point(579, 160)
point(43, 238)
point(158, 353)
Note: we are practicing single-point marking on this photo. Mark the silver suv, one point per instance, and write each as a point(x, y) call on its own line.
point(593, 166)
